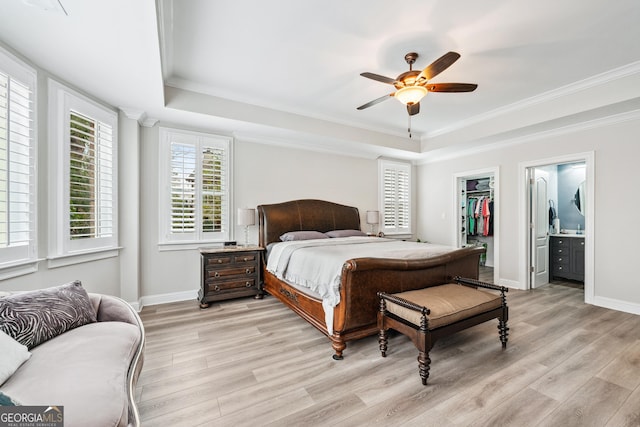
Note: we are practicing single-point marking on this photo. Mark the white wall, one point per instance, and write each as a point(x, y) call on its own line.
point(616, 154)
point(262, 174)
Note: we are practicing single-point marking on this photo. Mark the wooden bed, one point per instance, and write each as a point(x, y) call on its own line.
point(355, 316)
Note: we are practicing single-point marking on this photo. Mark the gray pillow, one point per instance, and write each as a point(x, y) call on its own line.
point(34, 317)
point(345, 233)
point(302, 235)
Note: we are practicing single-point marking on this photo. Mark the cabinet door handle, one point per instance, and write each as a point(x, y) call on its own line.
point(216, 288)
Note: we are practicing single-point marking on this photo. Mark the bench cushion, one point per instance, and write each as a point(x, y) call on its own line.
point(448, 304)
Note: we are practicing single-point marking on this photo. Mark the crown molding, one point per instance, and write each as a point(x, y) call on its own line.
point(578, 86)
point(561, 130)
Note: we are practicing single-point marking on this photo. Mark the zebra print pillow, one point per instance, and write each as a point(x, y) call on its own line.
point(34, 317)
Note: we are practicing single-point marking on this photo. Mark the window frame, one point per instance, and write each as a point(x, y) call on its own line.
point(396, 229)
point(18, 260)
point(62, 249)
point(182, 241)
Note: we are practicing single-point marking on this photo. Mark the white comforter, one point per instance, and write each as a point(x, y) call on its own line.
point(317, 264)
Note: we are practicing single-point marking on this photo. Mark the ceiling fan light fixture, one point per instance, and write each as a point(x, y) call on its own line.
point(410, 94)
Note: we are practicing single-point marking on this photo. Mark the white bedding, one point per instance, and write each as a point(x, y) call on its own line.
point(317, 264)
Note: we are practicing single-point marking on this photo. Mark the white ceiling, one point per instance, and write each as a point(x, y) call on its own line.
point(283, 71)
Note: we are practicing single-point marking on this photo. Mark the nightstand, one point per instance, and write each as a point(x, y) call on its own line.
point(230, 273)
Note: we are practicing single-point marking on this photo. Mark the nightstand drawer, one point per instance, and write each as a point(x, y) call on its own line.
point(220, 287)
point(222, 273)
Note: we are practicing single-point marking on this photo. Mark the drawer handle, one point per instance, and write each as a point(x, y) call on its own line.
point(560, 241)
point(248, 284)
point(559, 259)
point(559, 268)
point(216, 288)
point(245, 259)
point(219, 260)
point(582, 243)
point(216, 274)
point(248, 271)
point(559, 251)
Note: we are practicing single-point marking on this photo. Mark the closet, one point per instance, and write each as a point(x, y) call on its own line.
point(477, 215)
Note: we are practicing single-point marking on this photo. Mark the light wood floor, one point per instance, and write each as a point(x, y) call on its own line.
point(249, 362)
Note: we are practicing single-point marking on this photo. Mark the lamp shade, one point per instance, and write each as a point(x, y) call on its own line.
point(246, 216)
point(373, 217)
point(410, 94)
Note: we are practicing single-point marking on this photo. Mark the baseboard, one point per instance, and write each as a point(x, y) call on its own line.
point(514, 284)
point(167, 298)
point(615, 304)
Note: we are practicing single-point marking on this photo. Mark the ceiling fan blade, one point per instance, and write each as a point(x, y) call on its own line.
point(375, 101)
point(413, 109)
point(438, 66)
point(378, 78)
point(451, 87)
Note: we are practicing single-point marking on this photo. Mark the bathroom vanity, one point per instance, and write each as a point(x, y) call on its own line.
point(567, 256)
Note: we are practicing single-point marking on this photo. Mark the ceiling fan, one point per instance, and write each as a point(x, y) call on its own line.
point(411, 86)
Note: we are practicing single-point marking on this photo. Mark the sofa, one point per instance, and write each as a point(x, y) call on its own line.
point(76, 350)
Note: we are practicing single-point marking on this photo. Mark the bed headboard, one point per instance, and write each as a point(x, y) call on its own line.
point(306, 214)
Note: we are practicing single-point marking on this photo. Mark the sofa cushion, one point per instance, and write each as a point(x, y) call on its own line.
point(34, 317)
point(13, 355)
point(447, 303)
point(84, 369)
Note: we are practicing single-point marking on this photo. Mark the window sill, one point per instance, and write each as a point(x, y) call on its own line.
point(79, 258)
point(21, 269)
point(165, 247)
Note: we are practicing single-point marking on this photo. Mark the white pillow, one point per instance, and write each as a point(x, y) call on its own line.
point(13, 355)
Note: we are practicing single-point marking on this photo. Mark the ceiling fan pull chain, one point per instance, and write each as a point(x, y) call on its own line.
point(409, 127)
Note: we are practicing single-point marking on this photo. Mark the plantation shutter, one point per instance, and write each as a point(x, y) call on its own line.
point(196, 176)
point(17, 167)
point(214, 185)
point(183, 191)
point(396, 197)
point(91, 178)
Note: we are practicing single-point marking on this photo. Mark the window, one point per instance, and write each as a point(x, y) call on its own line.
point(395, 196)
point(194, 187)
point(17, 165)
point(84, 193)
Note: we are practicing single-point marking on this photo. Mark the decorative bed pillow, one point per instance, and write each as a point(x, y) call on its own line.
point(34, 317)
point(345, 233)
point(302, 235)
point(12, 356)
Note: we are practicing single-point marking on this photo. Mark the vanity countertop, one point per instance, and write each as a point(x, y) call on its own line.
point(566, 235)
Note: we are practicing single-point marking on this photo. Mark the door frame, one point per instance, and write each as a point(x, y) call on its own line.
point(476, 173)
point(524, 236)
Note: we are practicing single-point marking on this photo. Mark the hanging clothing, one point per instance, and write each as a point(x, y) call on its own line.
point(486, 215)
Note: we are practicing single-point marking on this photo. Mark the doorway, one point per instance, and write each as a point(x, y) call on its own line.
point(477, 207)
point(557, 221)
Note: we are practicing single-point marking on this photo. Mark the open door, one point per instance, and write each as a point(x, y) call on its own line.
point(539, 220)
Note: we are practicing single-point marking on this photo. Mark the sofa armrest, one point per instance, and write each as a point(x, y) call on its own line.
point(110, 309)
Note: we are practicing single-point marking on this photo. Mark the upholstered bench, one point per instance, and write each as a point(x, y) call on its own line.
point(425, 315)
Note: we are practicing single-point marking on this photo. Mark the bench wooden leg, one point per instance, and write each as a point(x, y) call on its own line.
point(424, 363)
point(504, 332)
point(382, 341)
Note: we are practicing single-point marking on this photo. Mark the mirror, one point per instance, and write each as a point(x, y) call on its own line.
point(579, 198)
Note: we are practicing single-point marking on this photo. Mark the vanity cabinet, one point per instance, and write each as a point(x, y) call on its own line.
point(567, 257)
